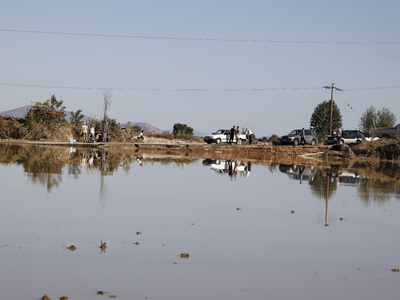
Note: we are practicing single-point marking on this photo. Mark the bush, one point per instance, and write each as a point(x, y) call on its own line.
point(11, 128)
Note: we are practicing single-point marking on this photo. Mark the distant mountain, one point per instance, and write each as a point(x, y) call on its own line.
point(17, 112)
point(20, 112)
point(145, 126)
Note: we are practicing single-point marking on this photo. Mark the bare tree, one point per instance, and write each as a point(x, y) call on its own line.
point(108, 99)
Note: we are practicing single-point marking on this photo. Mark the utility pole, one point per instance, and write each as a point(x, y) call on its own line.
point(331, 110)
point(332, 88)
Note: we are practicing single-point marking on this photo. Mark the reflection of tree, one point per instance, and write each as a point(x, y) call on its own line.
point(74, 168)
point(321, 187)
point(374, 190)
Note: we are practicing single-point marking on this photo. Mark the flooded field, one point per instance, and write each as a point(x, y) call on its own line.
point(98, 223)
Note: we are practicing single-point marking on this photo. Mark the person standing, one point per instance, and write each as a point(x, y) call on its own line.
point(232, 135)
point(302, 135)
point(85, 130)
point(93, 133)
point(249, 135)
point(339, 135)
point(238, 140)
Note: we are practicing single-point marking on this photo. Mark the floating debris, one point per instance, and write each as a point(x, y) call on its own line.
point(46, 297)
point(72, 247)
point(237, 208)
point(137, 243)
point(137, 233)
point(292, 212)
point(63, 298)
point(395, 270)
point(103, 247)
point(185, 255)
point(113, 296)
point(98, 292)
point(341, 219)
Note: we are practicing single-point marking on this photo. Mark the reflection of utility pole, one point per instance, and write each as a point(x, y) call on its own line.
point(326, 201)
point(332, 88)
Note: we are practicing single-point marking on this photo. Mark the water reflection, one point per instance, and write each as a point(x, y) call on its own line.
point(300, 173)
point(240, 231)
point(232, 168)
point(45, 165)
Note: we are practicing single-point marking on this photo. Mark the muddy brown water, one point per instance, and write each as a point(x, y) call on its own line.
point(154, 225)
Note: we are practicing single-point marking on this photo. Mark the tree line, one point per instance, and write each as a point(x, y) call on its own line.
point(371, 118)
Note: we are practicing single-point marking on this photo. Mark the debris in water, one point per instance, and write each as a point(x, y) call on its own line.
point(185, 255)
point(395, 270)
point(137, 233)
point(292, 212)
point(103, 247)
point(63, 298)
point(98, 292)
point(72, 247)
point(46, 297)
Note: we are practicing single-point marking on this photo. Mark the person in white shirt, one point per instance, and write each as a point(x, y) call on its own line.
point(249, 135)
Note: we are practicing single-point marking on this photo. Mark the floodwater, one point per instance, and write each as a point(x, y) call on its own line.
point(180, 227)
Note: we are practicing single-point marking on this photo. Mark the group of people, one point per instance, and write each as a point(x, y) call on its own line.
point(89, 134)
point(234, 135)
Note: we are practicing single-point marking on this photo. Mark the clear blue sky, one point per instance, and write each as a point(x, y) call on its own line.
point(275, 83)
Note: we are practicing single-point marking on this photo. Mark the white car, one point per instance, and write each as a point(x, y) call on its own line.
point(222, 135)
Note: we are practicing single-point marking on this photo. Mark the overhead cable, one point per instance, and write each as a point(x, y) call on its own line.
point(192, 89)
point(196, 39)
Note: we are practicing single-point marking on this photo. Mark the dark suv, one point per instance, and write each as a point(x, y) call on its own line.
point(294, 137)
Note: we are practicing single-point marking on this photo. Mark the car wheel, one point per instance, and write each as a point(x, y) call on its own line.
point(295, 142)
point(218, 141)
point(313, 142)
point(358, 141)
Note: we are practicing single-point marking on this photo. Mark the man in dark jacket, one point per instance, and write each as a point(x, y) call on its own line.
point(232, 135)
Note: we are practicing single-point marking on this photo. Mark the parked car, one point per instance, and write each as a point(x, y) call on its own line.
point(387, 132)
point(222, 135)
point(348, 137)
point(369, 138)
point(294, 137)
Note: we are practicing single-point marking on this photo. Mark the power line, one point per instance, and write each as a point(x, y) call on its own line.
point(160, 90)
point(374, 88)
point(191, 90)
point(195, 39)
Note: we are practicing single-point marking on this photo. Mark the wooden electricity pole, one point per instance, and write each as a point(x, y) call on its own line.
point(331, 110)
point(332, 88)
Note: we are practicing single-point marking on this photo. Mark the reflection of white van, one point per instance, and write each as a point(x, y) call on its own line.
point(225, 166)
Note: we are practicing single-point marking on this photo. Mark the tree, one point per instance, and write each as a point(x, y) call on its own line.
point(47, 112)
point(320, 118)
point(76, 117)
point(386, 118)
point(373, 118)
point(182, 129)
point(107, 97)
point(368, 119)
